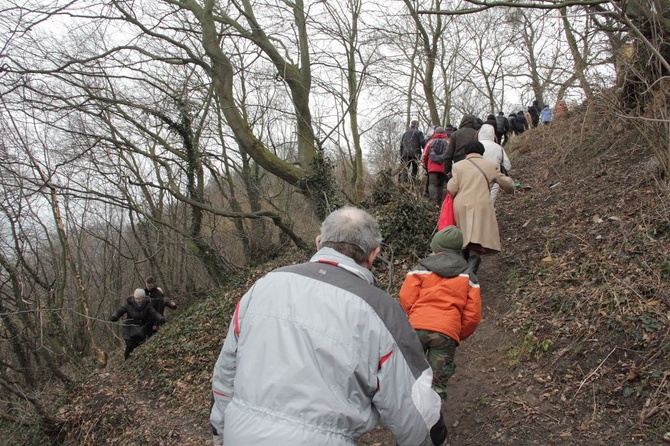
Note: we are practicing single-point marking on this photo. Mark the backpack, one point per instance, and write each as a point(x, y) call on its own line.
point(438, 150)
point(500, 124)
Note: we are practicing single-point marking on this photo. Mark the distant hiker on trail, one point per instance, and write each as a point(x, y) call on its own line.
point(456, 151)
point(546, 115)
point(158, 300)
point(411, 145)
point(520, 123)
point(529, 118)
point(496, 153)
point(141, 317)
point(317, 355)
point(534, 111)
point(443, 303)
point(560, 110)
point(433, 161)
point(512, 124)
point(502, 129)
point(474, 214)
point(491, 120)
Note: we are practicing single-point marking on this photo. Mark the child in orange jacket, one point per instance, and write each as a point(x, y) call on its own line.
point(443, 303)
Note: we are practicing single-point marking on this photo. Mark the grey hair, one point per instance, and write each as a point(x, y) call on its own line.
point(351, 226)
point(139, 292)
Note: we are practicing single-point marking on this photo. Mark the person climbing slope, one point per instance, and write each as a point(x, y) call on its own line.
point(443, 303)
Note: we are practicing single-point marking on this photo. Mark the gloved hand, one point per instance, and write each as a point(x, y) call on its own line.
point(113, 319)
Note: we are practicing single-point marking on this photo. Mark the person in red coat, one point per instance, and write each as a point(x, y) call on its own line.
point(560, 110)
point(433, 160)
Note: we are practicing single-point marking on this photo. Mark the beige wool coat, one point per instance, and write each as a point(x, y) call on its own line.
point(474, 213)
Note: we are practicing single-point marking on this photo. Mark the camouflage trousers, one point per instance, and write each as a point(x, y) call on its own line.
point(440, 351)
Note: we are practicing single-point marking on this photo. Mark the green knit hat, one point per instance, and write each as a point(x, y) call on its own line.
point(449, 238)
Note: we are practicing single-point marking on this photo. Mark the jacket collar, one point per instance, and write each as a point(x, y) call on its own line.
point(330, 256)
point(473, 155)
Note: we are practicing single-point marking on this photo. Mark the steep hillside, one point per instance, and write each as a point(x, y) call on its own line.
point(574, 346)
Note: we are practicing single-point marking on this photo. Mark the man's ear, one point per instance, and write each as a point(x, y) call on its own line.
point(373, 255)
point(317, 242)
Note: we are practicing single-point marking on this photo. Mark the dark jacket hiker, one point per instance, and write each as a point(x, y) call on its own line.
point(411, 145)
point(412, 142)
point(502, 127)
point(140, 317)
point(456, 151)
point(520, 123)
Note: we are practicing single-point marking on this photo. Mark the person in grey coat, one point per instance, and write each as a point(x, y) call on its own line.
point(317, 355)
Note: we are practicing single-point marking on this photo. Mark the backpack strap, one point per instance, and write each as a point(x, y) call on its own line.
point(488, 183)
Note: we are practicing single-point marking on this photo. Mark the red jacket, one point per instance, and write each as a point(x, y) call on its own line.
point(430, 165)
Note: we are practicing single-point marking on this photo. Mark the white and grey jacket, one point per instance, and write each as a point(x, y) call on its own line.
point(317, 355)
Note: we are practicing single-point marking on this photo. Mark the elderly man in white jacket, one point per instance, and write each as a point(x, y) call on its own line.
point(494, 152)
point(316, 355)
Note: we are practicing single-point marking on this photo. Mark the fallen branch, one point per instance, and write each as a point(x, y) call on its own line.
point(593, 372)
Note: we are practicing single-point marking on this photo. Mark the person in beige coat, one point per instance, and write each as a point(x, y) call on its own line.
point(475, 216)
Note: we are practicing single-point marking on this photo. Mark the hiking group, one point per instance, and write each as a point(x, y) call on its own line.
point(144, 314)
point(316, 354)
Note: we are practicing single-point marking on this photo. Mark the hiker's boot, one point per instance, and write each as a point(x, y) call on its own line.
point(473, 263)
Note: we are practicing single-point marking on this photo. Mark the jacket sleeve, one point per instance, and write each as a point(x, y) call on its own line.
point(426, 153)
point(506, 162)
point(409, 292)
point(506, 183)
point(472, 311)
point(452, 185)
point(422, 139)
point(118, 313)
point(406, 403)
point(449, 155)
point(155, 316)
point(223, 379)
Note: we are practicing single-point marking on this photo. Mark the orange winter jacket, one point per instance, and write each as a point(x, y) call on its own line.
point(438, 295)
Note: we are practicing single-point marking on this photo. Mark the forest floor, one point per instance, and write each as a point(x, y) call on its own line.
point(573, 347)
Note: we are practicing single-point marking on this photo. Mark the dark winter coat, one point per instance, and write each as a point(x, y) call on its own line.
point(158, 300)
point(504, 123)
point(534, 115)
point(411, 144)
point(535, 112)
point(511, 119)
point(520, 123)
point(456, 151)
point(142, 315)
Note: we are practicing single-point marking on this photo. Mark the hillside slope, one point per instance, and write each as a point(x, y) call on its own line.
point(575, 340)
